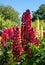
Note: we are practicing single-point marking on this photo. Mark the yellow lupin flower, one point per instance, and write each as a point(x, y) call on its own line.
point(41, 32)
point(37, 29)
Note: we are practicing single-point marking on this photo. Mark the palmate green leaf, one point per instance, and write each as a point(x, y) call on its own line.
point(34, 48)
point(42, 55)
point(9, 52)
point(24, 63)
point(37, 60)
point(34, 63)
point(2, 49)
point(13, 63)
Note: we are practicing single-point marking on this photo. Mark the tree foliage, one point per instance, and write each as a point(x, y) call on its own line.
point(40, 13)
point(8, 13)
point(8, 23)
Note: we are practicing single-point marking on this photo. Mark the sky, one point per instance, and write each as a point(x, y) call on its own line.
point(22, 5)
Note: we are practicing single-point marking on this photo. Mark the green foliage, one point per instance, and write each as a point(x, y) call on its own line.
point(40, 13)
point(0, 22)
point(37, 56)
point(7, 23)
point(8, 17)
point(6, 54)
point(9, 13)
